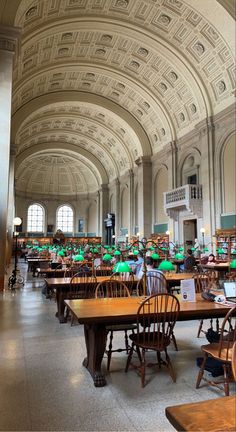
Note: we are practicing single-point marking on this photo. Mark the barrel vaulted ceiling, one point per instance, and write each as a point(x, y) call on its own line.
point(99, 83)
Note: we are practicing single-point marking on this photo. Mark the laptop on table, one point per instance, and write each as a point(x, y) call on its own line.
point(230, 291)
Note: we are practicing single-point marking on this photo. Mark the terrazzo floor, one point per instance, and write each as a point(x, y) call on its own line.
point(44, 386)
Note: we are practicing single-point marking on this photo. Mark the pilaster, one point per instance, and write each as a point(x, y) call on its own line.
point(8, 41)
point(144, 195)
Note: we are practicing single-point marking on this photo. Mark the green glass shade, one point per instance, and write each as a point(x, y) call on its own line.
point(221, 251)
point(179, 256)
point(181, 249)
point(206, 249)
point(192, 249)
point(122, 267)
point(79, 257)
point(107, 257)
point(233, 264)
point(61, 253)
point(155, 256)
point(109, 250)
point(151, 248)
point(166, 266)
point(106, 247)
point(95, 250)
point(117, 252)
point(135, 252)
point(164, 249)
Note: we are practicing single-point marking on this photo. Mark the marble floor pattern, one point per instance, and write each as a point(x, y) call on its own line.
point(44, 386)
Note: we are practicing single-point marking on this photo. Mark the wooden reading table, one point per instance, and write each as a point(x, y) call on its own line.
point(96, 314)
point(217, 415)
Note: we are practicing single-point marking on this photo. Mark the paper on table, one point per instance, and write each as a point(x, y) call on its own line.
point(187, 289)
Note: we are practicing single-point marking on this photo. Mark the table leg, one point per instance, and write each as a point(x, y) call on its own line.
point(95, 339)
point(60, 314)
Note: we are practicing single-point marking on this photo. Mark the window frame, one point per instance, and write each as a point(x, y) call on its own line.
point(30, 227)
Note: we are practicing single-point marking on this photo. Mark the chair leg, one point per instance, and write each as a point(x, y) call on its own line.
point(201, 371)
point(126, 342)
point(109, 351)
point(174, 342)
point(143, 368)
point(226, 379)
point(170, 367)
point(129, 357)
point(159, 359)
point(200, 328)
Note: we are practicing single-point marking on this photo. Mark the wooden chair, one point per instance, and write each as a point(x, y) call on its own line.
point(201, 281)
point(112, 288)
point(221, 351)
point(70, 272)
point(82, 285)
point(126, 278)
point(156, 318)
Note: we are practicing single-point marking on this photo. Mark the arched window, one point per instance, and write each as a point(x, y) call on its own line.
point(65, 219)
point(35, 218)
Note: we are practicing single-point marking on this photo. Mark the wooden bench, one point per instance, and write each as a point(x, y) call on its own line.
point(217, 415)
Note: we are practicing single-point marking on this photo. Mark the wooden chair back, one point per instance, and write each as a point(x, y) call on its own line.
point(156, 318)
point(227, 335)
point(156, 283)
point(70, 272)
point(126, 278)
point(111, 288)
point(234, 360)
point(201, 282)
point(82, 286)
point(213, 280)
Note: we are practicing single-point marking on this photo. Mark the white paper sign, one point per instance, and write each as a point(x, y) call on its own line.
point(187, 289)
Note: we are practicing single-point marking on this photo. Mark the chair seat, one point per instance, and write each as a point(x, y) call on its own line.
point(213, 350)
point(155, 341)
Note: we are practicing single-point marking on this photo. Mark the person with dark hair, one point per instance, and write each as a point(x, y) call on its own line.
point(189, 262)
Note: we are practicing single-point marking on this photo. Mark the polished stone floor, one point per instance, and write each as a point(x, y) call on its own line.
point(44, 386)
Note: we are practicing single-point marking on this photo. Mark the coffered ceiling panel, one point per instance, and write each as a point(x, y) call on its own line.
point(137, 74)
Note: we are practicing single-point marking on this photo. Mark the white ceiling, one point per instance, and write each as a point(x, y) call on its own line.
point(99, 83)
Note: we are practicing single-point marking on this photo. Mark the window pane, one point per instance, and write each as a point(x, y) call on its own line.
point(65, 219)
point(35, 220)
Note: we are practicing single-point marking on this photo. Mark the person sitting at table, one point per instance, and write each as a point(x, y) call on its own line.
point(211, 259)
point(189, 262)
point(152, 266)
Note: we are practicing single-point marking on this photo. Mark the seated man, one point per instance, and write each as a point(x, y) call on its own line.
point(189, 262)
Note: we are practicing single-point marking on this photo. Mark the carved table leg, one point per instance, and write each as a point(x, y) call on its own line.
point(95, 339)
point(60, 297)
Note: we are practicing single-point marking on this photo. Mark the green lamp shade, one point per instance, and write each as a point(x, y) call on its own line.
point(155, 256)
point(109, 250)
point(181, 249)
point(166, 266)
point(205, 249)
point(79, 257)
point(193, 249)
point(151, 248)
point(107, 257)
point(61, 253)
point(135, 252)
point(106, 247)
point(122, 267)
point(117, 252)
point(233, 264)
point(221, 251)
point(179, 256)
point(164, 249)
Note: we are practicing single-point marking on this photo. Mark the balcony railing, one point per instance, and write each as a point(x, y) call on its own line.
point(187, 197)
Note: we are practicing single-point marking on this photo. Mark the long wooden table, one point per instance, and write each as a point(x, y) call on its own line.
point(96, 314)
point(217, 415)
point(61, 285)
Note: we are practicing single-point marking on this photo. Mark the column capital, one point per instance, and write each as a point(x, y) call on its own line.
point(142, 160)
point(8, 38)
